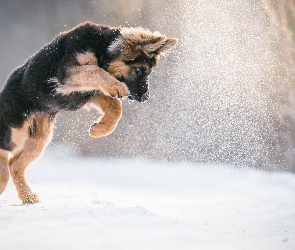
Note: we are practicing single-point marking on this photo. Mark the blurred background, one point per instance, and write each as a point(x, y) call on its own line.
point(226, 94)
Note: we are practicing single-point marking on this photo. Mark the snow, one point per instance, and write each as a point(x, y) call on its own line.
point(98, 203)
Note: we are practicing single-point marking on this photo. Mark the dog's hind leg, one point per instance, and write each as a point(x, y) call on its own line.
point(39, 135)
point(111, 110)
point(4, 172)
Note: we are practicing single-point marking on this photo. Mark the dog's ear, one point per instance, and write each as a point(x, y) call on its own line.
point(137, 41)
point(160, 47)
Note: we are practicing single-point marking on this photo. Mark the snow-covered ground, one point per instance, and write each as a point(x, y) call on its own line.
point(94, 203)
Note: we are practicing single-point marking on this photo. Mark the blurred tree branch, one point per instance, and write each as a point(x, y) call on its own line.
point(281, 16)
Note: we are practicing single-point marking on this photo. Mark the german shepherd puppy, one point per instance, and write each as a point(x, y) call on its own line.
point(90, 63)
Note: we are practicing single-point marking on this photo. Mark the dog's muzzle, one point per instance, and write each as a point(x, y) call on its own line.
point(141, 98)
point(144, 97)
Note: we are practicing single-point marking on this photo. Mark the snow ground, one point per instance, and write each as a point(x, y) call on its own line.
point(94, 203)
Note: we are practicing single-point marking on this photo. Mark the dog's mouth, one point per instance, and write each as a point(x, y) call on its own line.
point(142, 98)
point(142, 94)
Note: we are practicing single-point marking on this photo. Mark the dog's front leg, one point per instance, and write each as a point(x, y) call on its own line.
point(91, 77)
point(111, 110)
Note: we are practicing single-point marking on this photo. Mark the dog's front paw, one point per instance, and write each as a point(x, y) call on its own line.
point(119, 90)
point(31, 199)
point(100, 129)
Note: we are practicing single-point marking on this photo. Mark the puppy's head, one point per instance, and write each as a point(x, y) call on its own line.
point(134, 54)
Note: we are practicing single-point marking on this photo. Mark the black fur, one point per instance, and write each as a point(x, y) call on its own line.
point(29, 90)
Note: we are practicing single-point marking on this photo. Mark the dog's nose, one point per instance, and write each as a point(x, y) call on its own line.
point(145, 97)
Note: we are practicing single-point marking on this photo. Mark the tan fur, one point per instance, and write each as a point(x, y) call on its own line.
point(30, 151)
point(86, 58)
point(30, 140)
point(92, 77)
point(20, 135)
point(119, 69)
point(4, 173)
point(137, 41)
point(111, 111)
